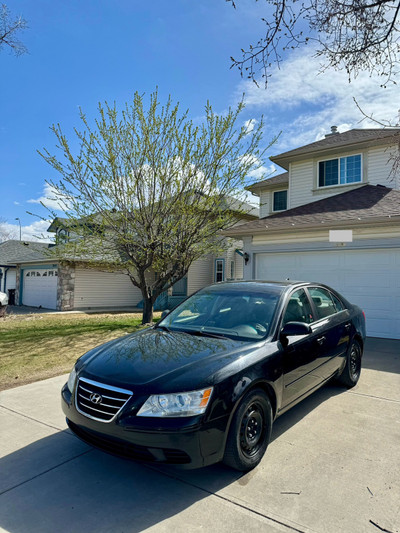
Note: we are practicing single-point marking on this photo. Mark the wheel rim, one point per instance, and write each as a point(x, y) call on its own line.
point(355, 362)
point(252, 429)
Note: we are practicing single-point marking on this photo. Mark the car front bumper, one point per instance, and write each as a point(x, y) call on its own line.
point(181, 442)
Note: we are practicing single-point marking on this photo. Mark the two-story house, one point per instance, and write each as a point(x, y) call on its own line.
point(334, 217)
point(73, 283)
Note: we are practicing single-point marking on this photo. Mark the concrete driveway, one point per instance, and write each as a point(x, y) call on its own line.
point(333, 466)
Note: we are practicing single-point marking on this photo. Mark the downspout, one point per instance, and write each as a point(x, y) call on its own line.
point(5, 278)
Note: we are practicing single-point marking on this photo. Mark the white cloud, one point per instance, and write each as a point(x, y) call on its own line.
point(51, 199)
point(250, 125)
point(305, 103)
point(37, 231)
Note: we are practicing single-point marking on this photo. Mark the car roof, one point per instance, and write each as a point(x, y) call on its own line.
point(257, 285)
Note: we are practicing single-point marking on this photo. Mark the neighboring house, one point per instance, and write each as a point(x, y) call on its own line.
point(334, 217)
point(69, 284)
point(11, 252)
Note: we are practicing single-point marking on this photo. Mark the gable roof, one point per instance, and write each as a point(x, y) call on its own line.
point(351, 138)
point(366, 204)
point(13, 251)
point(269, 183)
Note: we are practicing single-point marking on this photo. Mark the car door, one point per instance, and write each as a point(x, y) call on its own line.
point(332, 327)
point(300, 355)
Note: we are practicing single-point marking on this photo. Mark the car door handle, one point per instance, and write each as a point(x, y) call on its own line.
point(347, 326)
point(321, 340)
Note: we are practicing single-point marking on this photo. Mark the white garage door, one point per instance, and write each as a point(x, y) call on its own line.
point(40, 288)
point(370, 279)
point(94, 288)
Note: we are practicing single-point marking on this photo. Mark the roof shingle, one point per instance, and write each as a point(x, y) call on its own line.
point(362, 204)
point(13, 251)
point(340, 140)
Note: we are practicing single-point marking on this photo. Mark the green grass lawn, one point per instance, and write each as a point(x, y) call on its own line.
point(34, 347)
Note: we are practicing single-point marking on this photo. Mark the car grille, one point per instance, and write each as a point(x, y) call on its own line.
point(99, 401)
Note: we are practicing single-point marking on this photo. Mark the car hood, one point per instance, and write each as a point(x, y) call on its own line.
point(163, 359)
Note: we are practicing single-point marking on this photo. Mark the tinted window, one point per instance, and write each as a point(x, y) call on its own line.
point(323, 301)
point(338, 304)
point(298, 308)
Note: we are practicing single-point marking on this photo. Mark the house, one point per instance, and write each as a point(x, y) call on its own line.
point(333, 217)
point(70, 284)
point(11, 252)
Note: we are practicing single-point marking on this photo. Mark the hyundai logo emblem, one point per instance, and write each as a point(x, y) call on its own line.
point(95, 398)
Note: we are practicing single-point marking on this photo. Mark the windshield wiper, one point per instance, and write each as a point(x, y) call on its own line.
point(202, 333)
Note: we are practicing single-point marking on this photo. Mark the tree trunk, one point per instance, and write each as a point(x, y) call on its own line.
point(147, 311)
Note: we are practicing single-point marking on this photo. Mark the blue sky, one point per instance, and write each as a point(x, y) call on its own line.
point(84, 52)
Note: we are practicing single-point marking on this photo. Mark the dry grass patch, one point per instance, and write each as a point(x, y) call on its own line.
point(34, 347)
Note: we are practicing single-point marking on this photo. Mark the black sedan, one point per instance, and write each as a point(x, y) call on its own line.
point(206, 382)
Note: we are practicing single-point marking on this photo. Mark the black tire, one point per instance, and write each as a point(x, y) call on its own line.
point(250, 431)
point(352, 371)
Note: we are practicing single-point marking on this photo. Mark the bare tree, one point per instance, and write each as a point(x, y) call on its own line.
point(147, 191)
point(5, 233)
point(10, 28)
point(355, 35)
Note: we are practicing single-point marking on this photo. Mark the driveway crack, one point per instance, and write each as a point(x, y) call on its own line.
point(33, 419)
point(46, 471)
point(228, 500)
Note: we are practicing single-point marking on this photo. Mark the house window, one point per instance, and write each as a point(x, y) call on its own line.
point(219, 270)
point(340, 171)
point(280, 201)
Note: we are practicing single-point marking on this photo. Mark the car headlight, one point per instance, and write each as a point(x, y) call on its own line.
point(178, 404)
point(71, 380)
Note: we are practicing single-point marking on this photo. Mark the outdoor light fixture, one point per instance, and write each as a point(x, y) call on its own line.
point(246, 258)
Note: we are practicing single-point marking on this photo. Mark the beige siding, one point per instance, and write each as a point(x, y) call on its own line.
point(265, 203)
point(200, 274)
point(104, 289)
point(301, 184)
point(238, 266)
point(379, 166)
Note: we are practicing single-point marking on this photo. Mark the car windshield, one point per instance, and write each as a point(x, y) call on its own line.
point(234, 313)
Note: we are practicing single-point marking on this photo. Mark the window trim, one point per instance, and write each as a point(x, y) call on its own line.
point(222, 260)
point(273, 201)
point(338, 158)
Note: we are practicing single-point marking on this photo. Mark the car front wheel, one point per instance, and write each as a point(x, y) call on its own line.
point(351, 372)
point(250, 431)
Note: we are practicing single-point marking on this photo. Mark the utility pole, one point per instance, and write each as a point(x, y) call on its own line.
point(19, 220)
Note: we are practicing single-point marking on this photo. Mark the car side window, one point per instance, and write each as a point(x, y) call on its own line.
point(323, 302)
point(338, 304)
point(298, 308)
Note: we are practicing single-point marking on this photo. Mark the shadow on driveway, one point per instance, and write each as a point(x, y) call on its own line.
point(76, 488)
point(382, 355)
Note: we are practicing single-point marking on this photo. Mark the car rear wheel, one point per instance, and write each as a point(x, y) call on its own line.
point(351, 372)
point(250, 431)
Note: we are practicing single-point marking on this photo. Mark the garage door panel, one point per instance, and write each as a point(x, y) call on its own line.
point(94, 288)
point(40, 288)
point(368, 278)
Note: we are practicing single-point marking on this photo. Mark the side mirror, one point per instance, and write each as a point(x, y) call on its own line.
point(290, 329)
point(164, 313)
